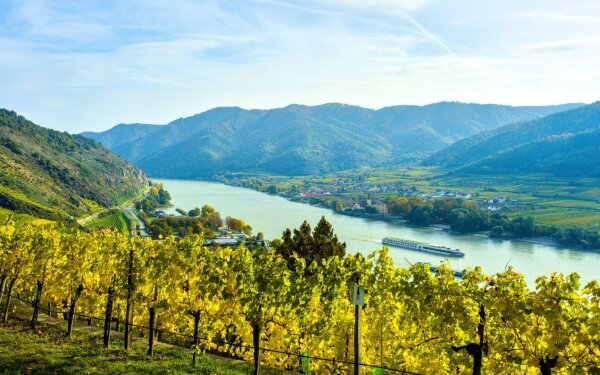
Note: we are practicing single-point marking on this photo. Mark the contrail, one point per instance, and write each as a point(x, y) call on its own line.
point(428, 34)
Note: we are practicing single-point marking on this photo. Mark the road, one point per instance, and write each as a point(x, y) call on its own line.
point(136, 222)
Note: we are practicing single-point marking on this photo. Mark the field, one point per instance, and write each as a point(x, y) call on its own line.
point(549, 199)
point(117, 220)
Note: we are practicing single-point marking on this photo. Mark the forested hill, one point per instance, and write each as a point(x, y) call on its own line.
point(52, 174)
point(300, 140)
point(566, 143)
point(121, 134)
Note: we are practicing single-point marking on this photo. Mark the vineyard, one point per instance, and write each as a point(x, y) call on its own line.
point(18, 219)
point(260, 307)
point(116, 220)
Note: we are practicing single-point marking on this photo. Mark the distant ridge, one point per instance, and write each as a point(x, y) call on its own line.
point(565, 143)
point(300, 140)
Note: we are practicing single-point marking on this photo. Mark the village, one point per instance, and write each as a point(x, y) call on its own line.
point(377, 194)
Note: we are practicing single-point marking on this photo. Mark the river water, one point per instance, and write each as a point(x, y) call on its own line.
point(272, 215)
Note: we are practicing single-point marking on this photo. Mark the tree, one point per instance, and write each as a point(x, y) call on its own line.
point(337, 206)
point(497, 232)
point(322, 243)
point(207, 210)
point(238, 225)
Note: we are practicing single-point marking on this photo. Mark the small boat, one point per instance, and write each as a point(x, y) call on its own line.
point(423, 247)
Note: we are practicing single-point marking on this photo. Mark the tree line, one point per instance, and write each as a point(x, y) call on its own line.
point(157, 196)
point(465, 216)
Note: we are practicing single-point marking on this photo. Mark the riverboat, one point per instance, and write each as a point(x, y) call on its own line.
point(422, 247)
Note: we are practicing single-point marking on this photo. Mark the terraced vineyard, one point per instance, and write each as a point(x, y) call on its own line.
point(115, 219)
point(8, 216)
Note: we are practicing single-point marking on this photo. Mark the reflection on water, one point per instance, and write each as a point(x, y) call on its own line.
point(272, 214)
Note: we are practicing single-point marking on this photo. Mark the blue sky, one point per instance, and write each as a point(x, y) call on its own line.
point(88, 65)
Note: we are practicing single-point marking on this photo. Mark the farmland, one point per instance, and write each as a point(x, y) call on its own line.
point(550, 200)
point(111, 219)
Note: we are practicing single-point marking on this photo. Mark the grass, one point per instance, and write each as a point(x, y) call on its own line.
point(48, 351)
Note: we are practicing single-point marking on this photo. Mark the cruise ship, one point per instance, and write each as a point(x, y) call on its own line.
point(423, 247)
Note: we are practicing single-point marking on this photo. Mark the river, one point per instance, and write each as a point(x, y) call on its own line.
point(272, 214)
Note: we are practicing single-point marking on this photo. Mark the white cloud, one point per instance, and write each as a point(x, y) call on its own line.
point(154, 63)
point(556, 17)
point(583, 44)
point(384, 5)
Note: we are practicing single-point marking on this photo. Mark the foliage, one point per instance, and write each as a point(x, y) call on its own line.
point(157, 196)
point(182, 226)
point(413, 320)
point(321, 244)
point(238, 225)
point(200, 221)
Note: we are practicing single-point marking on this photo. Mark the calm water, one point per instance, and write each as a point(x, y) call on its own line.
point(272, 214)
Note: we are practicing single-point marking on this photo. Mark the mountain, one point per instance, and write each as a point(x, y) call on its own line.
point(52, 174)
point(300, 140)
point(565, 143)
point(122, 133)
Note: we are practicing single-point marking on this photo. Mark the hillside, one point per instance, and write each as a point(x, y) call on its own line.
point(122, 133)
point(300, 140)
point(52, 174)
point(566, 143)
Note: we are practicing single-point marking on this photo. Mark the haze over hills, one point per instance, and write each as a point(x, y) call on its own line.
point(49, 173)
point(300, 140)
point(565, 143)
point(122, 133)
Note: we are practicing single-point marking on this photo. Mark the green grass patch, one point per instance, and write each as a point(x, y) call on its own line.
point(48, 351)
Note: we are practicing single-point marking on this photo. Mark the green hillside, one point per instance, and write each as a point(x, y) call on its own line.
point(301, 140)
point(121, 134)
point(51, 174)
point(565, 144)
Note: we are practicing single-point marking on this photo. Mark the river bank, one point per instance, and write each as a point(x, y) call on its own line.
point(271, 215)
point(397, 220)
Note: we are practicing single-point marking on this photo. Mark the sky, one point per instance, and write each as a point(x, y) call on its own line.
point(78, 65)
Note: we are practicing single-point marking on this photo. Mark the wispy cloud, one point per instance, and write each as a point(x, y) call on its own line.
point(556, 17)
point(77, 66)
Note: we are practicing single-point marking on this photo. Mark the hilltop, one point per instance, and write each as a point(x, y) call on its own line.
point(564, 144)
point(301, 140)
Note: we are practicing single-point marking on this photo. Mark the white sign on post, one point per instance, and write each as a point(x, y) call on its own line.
point(358, 295)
